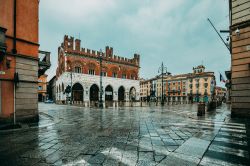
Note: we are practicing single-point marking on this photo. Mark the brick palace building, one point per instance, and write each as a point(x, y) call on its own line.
point(80, 68)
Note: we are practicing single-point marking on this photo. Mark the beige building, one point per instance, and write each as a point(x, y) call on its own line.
point(196, 86)
point(201, 84)
point(220, 92)
point(176, 88)
point(42, 88)
point(145, 89)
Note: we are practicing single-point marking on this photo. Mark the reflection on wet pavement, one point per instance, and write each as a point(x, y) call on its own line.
point(173, 135)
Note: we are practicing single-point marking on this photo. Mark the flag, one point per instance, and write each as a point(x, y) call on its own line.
point(222, 78)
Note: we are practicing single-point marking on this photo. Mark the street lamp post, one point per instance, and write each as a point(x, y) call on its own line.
point(161, 70)
point(101, 90)
point(71, 95)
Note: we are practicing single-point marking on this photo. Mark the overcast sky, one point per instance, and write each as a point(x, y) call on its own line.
point(173, 31)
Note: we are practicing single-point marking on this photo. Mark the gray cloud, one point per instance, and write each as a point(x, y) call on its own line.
point(175, 32)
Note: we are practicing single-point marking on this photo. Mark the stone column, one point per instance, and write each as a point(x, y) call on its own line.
point(86, 97)
point(126, 98)
point(115, 99)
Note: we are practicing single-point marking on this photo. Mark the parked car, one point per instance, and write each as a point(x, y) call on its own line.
point(49, 101)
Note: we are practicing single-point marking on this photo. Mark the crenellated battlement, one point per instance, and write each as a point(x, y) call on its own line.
point(74, 46)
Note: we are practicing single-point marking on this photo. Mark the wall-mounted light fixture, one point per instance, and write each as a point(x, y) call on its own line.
point(3, 46)
point(237, 32)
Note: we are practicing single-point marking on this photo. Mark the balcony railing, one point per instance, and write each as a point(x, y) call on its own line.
point(44, 62)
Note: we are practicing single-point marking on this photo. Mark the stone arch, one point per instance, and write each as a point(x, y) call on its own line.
point(94, 93)
point(121, 93)
point(132, 94)
point(109, 93)
point(77, 92)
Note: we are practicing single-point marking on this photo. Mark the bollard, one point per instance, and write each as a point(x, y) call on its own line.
point(211, 106)
point(201, 109)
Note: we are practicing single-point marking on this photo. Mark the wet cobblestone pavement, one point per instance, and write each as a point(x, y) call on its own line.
point(173, 135)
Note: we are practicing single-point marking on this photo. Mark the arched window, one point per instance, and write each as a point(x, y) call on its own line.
point(104, 71)
point(132, 77)
point(114, 74)
point(114, 71)
point(124, 75)
point(78, 70)
point(92, 68)
point(91, 71)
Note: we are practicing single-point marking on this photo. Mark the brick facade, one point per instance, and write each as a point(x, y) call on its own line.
point(240, 42)
point(71, 56)
point(20, 19)
point(83, 65)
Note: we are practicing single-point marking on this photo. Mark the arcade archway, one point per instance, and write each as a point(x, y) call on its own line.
point(108, 93)
point(132, 94)
point(109, 96)
point(94, 93)
point(77, 92)
point(121, 94)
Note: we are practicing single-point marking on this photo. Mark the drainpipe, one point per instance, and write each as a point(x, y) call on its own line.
point(0, 97)
point(14, 51)
point(14, 104)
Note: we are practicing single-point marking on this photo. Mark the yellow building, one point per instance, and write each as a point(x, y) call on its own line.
point(220, 93)
point(42, 88)
point(196, 86)
point(201, 84)
point(176, 88)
